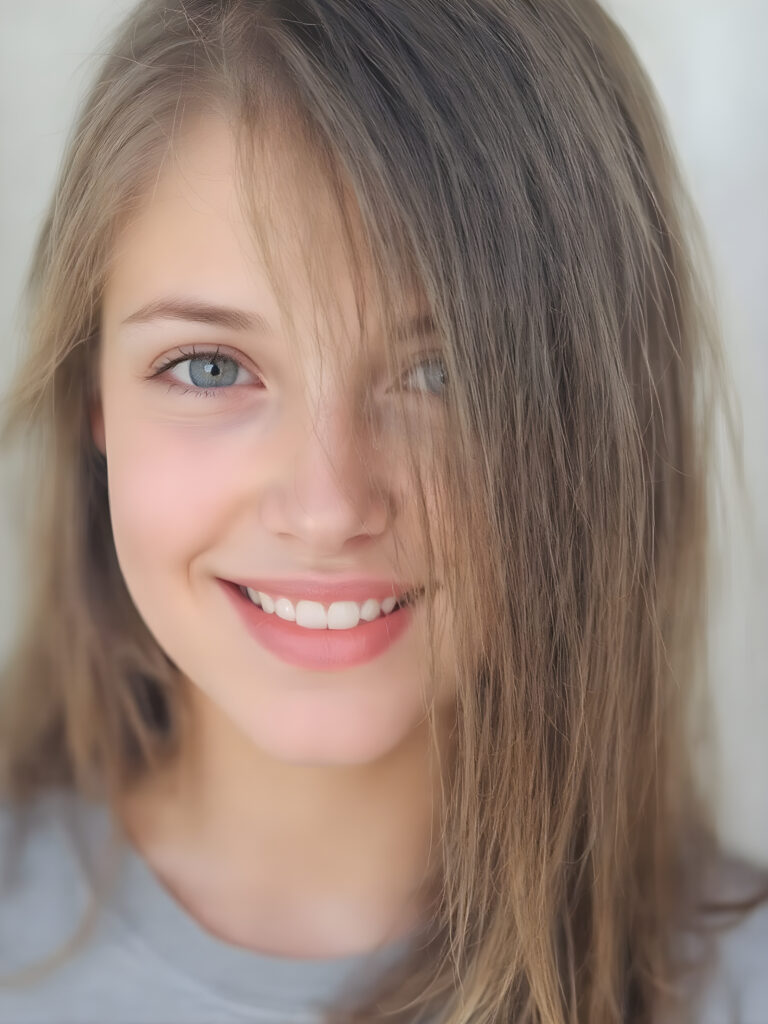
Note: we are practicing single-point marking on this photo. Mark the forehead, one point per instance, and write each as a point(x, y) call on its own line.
point(192, 239)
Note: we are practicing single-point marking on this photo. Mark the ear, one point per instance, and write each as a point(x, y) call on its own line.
point(96, 414)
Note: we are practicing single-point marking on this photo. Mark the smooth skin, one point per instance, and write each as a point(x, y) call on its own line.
point(297, 821)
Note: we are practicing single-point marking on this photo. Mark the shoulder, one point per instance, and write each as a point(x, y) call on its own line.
point(28, 829)
point(32, 831)
point(734, 986)
point(739, 981)
point(43, 881)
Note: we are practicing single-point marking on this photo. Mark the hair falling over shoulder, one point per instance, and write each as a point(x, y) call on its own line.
point(513, 159)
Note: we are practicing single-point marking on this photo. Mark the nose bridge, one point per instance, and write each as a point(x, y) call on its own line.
point(328, 438)
point(331, 493)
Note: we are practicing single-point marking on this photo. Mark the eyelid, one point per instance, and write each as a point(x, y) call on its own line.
point(194, 352)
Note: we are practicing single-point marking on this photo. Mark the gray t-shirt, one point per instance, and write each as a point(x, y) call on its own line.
point(147, 961)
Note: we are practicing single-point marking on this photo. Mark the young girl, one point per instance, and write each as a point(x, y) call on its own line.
point(367, 410)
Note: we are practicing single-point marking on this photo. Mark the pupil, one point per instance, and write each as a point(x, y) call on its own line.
point(217, 372)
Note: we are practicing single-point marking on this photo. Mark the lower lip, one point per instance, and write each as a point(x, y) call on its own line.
point(319, 649)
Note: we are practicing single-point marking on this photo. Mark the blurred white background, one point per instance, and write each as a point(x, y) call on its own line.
point(707, 59)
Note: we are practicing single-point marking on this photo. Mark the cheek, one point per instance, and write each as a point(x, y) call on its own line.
point(169, 495)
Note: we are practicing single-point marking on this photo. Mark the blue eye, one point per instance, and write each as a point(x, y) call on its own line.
point(207, 372)
point(431, 374)
point(213, 371)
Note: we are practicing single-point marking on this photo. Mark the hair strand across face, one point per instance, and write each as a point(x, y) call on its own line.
point(506, 166)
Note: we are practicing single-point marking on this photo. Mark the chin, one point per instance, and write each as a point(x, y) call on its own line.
point(335, 735)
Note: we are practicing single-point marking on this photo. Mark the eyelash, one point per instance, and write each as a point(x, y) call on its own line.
point(212, 356)
point(193, 353)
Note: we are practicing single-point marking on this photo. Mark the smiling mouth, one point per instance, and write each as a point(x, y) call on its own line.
point(339, 615)
point(320, 645)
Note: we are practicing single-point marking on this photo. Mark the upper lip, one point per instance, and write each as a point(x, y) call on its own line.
point(347, 588)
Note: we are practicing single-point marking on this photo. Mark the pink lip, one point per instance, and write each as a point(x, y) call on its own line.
point(319, 649)
point(344, 588)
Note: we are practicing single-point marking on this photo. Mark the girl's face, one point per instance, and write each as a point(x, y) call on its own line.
point(244, 464)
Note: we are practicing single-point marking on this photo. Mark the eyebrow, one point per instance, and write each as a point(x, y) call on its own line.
point(420, 325)
point(198, 312)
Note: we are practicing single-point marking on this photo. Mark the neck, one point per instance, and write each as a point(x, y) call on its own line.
point(291, 859)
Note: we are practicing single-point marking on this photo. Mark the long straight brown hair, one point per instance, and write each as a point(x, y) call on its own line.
point(509, 157)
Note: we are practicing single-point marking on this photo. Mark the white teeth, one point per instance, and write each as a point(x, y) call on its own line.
point(343, 615)
point(311, 614)
point(370, 610)
point(284, 609)
point(314, 615)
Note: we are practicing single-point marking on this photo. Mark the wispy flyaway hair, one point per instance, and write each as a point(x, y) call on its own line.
point(509, 161)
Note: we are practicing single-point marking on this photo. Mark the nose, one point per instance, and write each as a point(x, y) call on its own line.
point(329, 497)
